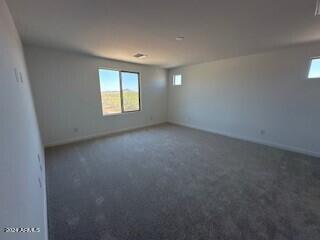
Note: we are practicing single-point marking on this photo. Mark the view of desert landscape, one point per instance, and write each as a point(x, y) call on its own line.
point(111, 101)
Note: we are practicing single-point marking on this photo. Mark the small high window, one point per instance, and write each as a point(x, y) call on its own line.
point(177, 80)
point(120, 91)
point(314, 70)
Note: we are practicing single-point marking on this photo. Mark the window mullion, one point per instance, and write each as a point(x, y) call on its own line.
point(121, 92)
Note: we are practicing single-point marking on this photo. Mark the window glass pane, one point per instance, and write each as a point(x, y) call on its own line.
point(314, 69)
point(110, 91)
point(177, 80)
point(130, 91)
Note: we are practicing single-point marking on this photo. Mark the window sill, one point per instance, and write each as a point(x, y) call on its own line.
point(119, 114)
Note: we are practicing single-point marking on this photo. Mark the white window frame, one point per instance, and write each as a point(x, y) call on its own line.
point(121, 91)
point(309, 68)
point(174, 82)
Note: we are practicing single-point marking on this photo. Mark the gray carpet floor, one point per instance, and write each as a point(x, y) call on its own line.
point(174, 183)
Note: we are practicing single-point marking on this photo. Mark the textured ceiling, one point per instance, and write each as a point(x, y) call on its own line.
point(213, 29)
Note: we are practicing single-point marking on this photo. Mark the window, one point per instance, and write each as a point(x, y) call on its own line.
point(314, 70)
point(177, 80)
point(120, 91)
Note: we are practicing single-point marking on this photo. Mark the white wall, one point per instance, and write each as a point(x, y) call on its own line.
point(67, 95)
point(243, 96)
point(22, 200)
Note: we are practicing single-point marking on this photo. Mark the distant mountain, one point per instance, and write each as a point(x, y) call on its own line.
point(128, 90)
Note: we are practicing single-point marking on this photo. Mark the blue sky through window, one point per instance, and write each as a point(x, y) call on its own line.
point(130, 81)
point(109, 80)
point(314, 68)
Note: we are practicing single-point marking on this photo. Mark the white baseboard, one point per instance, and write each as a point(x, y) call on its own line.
point(254, 140)
point(97, 135)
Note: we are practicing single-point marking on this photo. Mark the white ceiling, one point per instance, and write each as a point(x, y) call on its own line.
point(213, 29)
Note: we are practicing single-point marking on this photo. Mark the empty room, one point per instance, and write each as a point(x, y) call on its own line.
point(159, 120)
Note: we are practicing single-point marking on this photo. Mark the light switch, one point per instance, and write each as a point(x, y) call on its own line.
point(40, 184)
point(21, 78)
point(39, 162)
point(16, 75)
